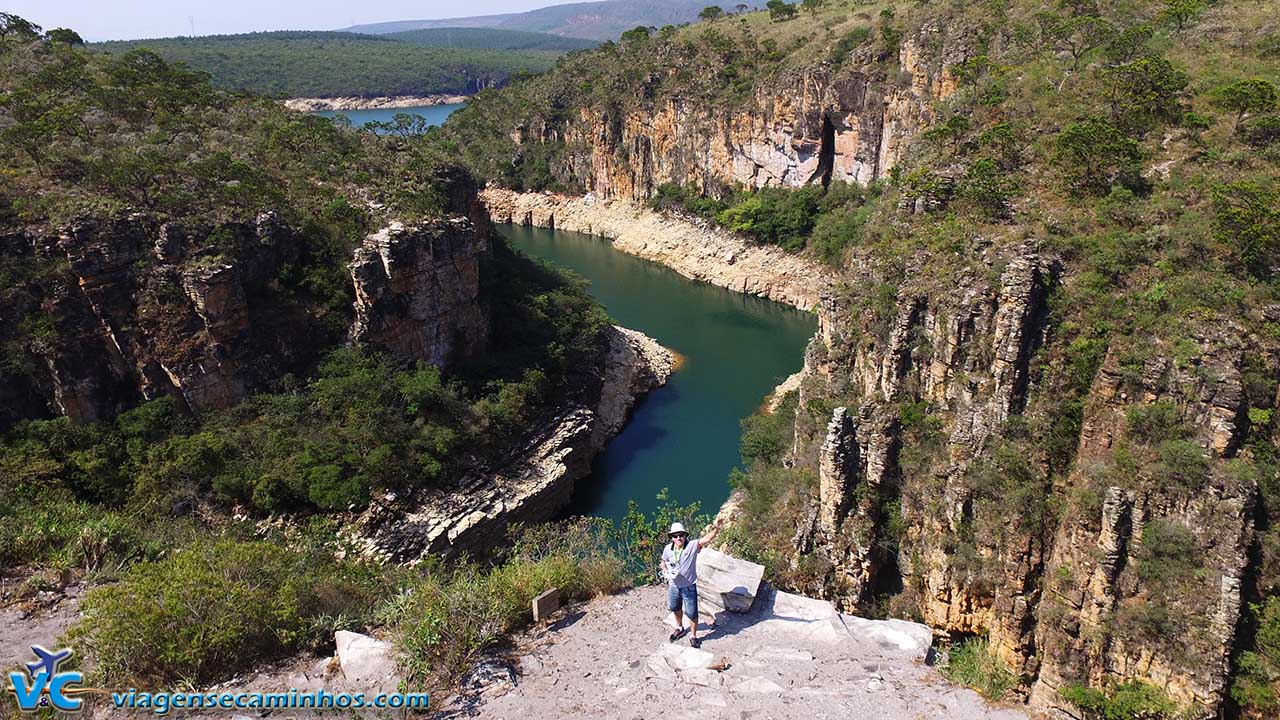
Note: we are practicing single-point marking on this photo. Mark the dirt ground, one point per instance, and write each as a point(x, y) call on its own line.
point(789, 658)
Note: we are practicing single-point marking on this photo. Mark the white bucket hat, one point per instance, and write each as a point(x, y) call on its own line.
point(676, 528)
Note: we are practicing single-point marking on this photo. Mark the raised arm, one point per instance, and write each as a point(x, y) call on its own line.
point(708, 536)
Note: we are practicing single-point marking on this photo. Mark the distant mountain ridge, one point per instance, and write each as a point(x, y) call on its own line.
point(604, 20)
point(487, 39)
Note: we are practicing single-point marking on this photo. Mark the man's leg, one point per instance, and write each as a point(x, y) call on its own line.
point(673, 604)
point(691, 609)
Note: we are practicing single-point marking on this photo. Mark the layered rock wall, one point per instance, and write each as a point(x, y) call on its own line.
point(852, 125)
point(141, 310)
point(1050, 566)
point(417, 291)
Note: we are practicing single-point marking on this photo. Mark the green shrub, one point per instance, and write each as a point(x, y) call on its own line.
point(972, 664)
point(216, 607)
point(1247, 216)
point(443, 620)
point(775, 216)
point(1168, 555)
point(1135, 700)
point(1257, 684)
point(765, 436)
point(1155, 422)
point(1093, 154)
point(1182, 464)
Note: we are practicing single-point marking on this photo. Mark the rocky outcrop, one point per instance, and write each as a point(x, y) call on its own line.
point(790, 656)
point(472, 516)
point(1054, 563)
point(140, 310)
point(691, 249)
point(635, 364)
point(417, 291)
point(1106, 557)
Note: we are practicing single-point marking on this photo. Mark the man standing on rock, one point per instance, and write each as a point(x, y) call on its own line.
point(680, 568)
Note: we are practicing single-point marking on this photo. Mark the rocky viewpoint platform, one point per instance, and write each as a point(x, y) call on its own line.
point(789, 657)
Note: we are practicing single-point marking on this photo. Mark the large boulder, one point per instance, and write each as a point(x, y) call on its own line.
point(727, 583)
point(366, 662)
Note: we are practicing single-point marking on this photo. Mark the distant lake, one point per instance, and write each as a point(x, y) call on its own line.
point(435, 114)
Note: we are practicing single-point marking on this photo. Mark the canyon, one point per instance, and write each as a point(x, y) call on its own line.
point(1054, 564)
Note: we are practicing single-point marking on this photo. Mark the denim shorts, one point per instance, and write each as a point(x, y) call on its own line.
point(687, 594)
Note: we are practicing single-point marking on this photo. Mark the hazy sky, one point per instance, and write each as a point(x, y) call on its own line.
point(99, 20)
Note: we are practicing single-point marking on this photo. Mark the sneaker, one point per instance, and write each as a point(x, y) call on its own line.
point(678, 634)
point(695, 642)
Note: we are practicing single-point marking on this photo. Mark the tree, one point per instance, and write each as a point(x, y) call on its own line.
point(635, 35)
point(1244, 97)
point(1247, 216)
point(65, 36)
point(780, 11)
point(1075, 35)
point(711, 12)
point(13, 26)
point(1144, 93)
point(1093, 154)
point(1181, 12)
point(741, 7)
point(812, 6)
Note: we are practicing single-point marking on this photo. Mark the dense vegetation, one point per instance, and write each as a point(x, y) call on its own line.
point(331, 64)
point(477, 38)
point(1134, 141)
point(158, 509)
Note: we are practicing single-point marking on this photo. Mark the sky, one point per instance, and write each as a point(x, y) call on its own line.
point(104, 20)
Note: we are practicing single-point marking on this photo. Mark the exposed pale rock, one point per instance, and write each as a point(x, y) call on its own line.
point(757, 685)
point(366, 662)
point(837, 470)
point(695, 251)
point(635, 364)
point(727, 583)
point(363, 103)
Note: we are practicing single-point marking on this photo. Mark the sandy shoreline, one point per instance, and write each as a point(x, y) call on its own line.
point(375, 103)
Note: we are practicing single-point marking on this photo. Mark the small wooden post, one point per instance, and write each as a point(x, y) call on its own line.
point(545, 604)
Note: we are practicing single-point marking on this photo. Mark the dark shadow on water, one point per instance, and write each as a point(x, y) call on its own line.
point(644, 430)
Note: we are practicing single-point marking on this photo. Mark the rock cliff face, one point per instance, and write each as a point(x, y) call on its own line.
point(140, 310)
point(852, 125)
point(418, 291)
point(976, 532)
point(473, 517)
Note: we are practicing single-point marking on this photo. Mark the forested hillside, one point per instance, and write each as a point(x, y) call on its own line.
point(211, 368)
point(323, 64)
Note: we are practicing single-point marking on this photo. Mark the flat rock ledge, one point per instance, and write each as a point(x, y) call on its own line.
point(472, 517)
point(689, 247)
point(787, 657)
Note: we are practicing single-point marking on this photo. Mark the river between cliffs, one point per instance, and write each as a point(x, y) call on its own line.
point(735, 349)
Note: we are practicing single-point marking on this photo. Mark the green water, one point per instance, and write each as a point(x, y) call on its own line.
point(684, 435)
point(434, 114)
